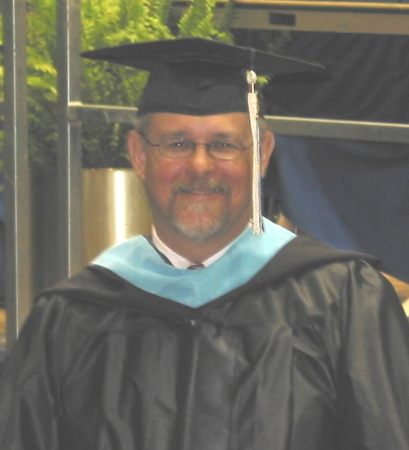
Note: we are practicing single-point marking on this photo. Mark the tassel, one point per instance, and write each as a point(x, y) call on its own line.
point(255, 132)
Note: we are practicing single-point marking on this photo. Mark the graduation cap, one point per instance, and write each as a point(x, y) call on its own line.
point(197, 76)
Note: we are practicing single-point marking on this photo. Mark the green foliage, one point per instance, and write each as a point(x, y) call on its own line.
point(199, 21)
point(104, 23)
point(41, 80)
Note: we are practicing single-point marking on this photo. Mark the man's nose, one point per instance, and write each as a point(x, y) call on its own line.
point(200, 160)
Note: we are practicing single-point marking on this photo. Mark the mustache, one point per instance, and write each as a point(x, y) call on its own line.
point(201, 185)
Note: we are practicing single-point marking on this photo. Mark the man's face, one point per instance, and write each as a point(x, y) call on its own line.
point(199, 197)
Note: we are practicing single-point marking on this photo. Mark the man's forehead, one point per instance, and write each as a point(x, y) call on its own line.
point(221, 124)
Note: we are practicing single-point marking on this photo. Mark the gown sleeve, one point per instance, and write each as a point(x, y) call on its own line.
point(373, 365)
point(29, 382)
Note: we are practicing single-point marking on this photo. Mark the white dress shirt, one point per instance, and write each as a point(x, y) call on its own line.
point(180, 261)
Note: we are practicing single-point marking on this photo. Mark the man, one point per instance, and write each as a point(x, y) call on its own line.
point(275, 342)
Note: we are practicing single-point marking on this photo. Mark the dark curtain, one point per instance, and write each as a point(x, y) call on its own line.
point(351, 194)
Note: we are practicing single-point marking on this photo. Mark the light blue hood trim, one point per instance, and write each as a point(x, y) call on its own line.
point(138, 263)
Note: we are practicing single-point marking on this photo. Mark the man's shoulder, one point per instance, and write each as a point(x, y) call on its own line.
point(92, 284)
point(309, 279)
point(304, 255)
point(89, 280)
point(306, 251)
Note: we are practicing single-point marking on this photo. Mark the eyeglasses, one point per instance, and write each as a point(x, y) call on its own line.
point(178, 148)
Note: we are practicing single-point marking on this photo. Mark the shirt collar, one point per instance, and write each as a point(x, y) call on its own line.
point(180, 261)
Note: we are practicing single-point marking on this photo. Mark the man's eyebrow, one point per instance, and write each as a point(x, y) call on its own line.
point(184, 134)
point(230, 135)
point(173, 134)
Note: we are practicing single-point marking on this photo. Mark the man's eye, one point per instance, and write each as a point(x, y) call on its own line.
point(221, 146)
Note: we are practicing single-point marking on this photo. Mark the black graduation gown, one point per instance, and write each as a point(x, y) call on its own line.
point(311, 354)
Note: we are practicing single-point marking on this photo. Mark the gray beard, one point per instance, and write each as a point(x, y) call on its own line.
point(203, 231)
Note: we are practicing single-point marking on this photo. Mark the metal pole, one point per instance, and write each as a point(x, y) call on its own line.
point(69, 154)
point(17, 171)
point(396, 133)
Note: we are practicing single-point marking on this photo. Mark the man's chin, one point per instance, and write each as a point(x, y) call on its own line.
point(198, 233)
point(200, 229)
point(199, 220)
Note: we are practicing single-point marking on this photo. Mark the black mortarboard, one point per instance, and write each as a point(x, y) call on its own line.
point(201, 77)
point(198, 76)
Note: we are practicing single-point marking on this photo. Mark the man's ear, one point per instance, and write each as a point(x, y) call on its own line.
point(267, 147)
point(136, 153)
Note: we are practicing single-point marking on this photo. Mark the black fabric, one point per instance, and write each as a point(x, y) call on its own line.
point(198, 76)
point(350, 194)
point(312, 354)
point(368, 78)
point(146, 56)
point(195, 88)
